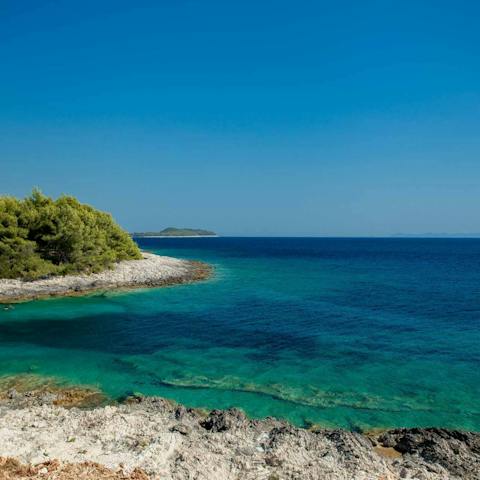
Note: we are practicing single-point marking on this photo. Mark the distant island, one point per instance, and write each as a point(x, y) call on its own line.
point(177, 232)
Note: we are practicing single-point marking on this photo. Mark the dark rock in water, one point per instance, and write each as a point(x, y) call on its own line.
point(458, 452)
point(132, 397)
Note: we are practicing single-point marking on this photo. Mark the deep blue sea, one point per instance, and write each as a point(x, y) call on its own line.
point(357, 333)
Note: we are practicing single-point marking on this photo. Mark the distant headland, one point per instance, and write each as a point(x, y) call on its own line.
point(63, 247)
point(177, 232)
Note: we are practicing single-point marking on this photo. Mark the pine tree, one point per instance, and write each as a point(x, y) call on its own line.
point(41, 237)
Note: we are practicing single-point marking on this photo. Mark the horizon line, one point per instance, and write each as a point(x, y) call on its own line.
point(386, 236)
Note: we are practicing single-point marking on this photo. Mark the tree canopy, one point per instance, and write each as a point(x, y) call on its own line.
point(40, 237)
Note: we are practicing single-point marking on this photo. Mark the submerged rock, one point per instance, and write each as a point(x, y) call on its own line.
point(23, 391)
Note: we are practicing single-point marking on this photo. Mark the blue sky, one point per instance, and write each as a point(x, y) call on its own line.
point(251, 117)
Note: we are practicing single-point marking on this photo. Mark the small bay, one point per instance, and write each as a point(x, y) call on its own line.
point(356, 333)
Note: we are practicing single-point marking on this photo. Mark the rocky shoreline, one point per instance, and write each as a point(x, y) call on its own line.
point(52, 432)
point(151, 271)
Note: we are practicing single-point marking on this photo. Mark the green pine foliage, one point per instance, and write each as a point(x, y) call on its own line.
point(40, 237)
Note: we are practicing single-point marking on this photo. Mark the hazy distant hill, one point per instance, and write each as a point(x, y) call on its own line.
point(437, 235)
point(177, 232)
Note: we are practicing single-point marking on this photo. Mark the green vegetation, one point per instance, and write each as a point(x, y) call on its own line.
point(40, 237)
point(176, 232)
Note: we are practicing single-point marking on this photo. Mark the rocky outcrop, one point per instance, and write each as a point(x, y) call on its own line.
point(437, 450)
point(163, 440)
point(151, 271)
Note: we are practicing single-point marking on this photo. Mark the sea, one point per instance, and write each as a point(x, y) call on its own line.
point(358, 333)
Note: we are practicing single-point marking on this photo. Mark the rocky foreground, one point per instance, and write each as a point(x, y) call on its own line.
point(151, 271)
point(43, 434)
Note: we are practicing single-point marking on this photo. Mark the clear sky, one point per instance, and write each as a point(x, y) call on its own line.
point(247, 117)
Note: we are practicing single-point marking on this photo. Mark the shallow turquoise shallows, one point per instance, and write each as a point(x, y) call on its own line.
point(357, 333)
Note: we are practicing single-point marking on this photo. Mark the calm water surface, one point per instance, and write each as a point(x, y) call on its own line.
point(355, 333)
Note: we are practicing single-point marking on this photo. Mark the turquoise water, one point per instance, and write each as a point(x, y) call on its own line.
point(357, 333)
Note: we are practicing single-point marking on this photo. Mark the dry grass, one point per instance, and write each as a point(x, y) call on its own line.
point(387, 452)
point(11, 469)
